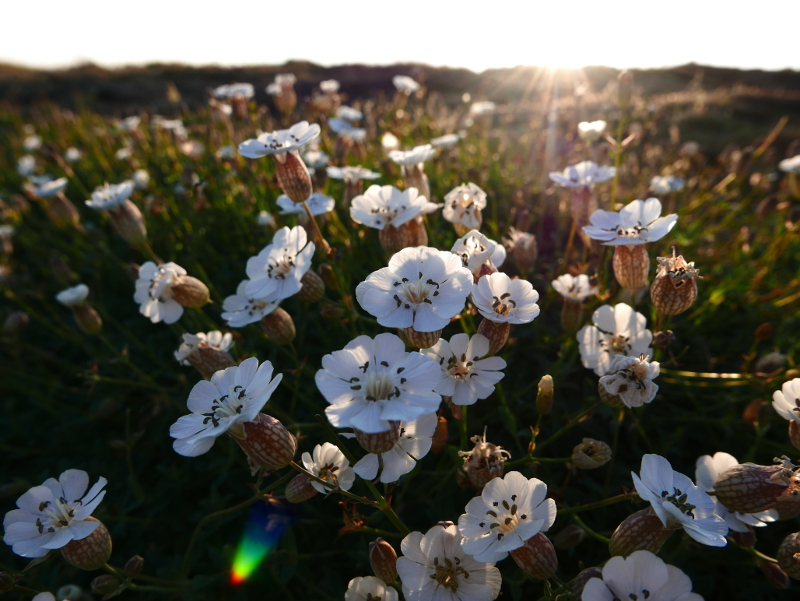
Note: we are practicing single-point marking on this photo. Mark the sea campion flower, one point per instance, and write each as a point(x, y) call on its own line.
point(413, 444)
point(225, 403)
point(85, 315)
point(318, 204)
point(485, 461)
point(629, 381)
point(50, 188)
point(282, 91)
point(574, 290)
point(154, 291)
point(483, 107)
point(707, 471)
point(242, 308)
point(617, 330)
point(348, 113)
point(347, 134)
point(503, 302)
point(73, 296)
point(232, 90)
point(314, 158)
point(412, 163)
point(642, 575)
point(478, 253)
point(509, 511)
point(422, 288)
point(276, 272)
point(353, 181)
point(329, 86)
point(791, 165)
point(523, 249)
point(463, 206)
point(125, 216)
point(53, 514)
point(445, 140)
point(373, 382)
point(678, 503)
point(674, 288)
point(467, 374)
point(26, 165)
point(583, 174)
point(436, 566)
point(72, 155)
point(591, 131)
point(208, 353)
point(666, 184)
point(369, 588)
point(405, 84)
point(329, 463)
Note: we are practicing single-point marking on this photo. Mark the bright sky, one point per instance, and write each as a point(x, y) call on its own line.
point(476, 35)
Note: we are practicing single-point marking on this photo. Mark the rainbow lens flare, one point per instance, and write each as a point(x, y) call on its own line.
point(265, 526)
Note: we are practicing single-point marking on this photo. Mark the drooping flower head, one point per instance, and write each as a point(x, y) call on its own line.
point(617, 330)
point(242, 308)
point(583, 174)
point(329, 463)
point(372, 382)
point(467, 374)
point(73, 296)
point(279, 142)
point(53, 514)
point(232, 396)
point(110, 196)
point(678, 503)
point(573, 288)
point(463, 205)
point(637, 223)
point(276, 271)
point(153, 291)
point(631, 379)
point(509, 511)
point(503, 300)
point(421, 288)
point(436, 566)
point(382, 206)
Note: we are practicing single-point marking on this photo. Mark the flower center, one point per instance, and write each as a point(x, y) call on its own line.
point(448, 572)
point(57, 515)
point(227, 406)
point(503, 520)
point(617, 344)
point(460, 369)
point(415, 293)
point(380, 387)
point(328, 473)
point(503, 305)
point(679, 499)
point(282, 266)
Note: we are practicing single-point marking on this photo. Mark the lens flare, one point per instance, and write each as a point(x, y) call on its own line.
point(265, 526)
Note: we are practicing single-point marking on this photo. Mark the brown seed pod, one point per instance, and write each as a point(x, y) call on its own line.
point(497, 333)
point(92, 552)
point(642, 530)
point(440, 435)
point(751, 488)
point(537, 557)
point(293, 176)
point(383, 560)
point(674, 288)
point(313, 288)
point(591, 454)
point(279, 326)
point(266, 441)
point(631, 266)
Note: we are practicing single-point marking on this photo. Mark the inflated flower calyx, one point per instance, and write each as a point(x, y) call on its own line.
point(128, 221)
point(267, 442)
point(750, 488)
point(631, 266)
point(544, 396)
point(313, 288)
point(279, 326)
point(569, 537)
point(299, 489)
point(591, 454)
point(774, 573)
point(674, 288)
point(789, 555)
point(484, 462)
point(642, 530)
point(440, 435)
point(92, 552)
point(293, 176)
point(379, 442)
point(537, 557)
point(395, 238)
point(420, 340)
point(383, 560)
point(190, 292)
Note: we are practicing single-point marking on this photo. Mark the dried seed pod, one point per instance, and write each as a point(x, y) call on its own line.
point(299, 489)
point(189, 292)
point(379, 442)
point(421, 339)
point(631, 266)
point(750, 488)
point(674, 288)
point(794, 434)
point(591, 454)
point(313, 288)
point(642, 530)
point(293, 176)
point(484, 462)
point(383, 560)
point(537, 557)
point(63, 213)
point(789, 555)
point(279, 326)
point(497, 333)
point(325, 271)
point(89, 553)
point(266, 442)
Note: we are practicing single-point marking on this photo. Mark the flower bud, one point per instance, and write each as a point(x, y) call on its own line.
point(279, 326)
point(15, 322)
point(569, 537)
point(484, 462)
point(63, 213)
point(497, 333)
point(411, 233)
point(299, 489)
point(537, 557)
point(744, 539)
point(133, 567)
point(789, 555)
point(293, 176)
point(440, 435)
point(61, 271)
point(674, 288)
point(591, 454)
point(750, 488)
point(642, 530)
point(190, 292)
point(583, 577)
point(87, 319)
point(624, 88)
point(421, 339)
point(105, 585)
point(266, 442)
point(383, 560)
point(89, 553)
point(776, 576)
point(544, 397)
point(631, 266)
point(313, 288)
point(379, 442)
point(128, 221)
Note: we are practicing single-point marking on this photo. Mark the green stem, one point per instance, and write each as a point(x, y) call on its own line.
point(576, 420)
point(610, 501)
point(589, 531)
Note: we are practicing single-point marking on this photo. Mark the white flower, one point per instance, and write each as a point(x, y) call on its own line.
point(617, 330)
point(374, 381)
point(466, 375)
point(110, 196)
point(463, 205)
point(352, 174)
point(485, 107)
point(241, 308)
point(73, 296)
point(141, 179)
point(422, 287)
point(26, 165)
point(329, 464)
point(786, 400)
point(265, 219)
point(273, 89)
point(191, 342)
point(380, 206)
point(129, 123)
point(389, 142)
point(345, 129)
point(226, 152)
point(445, 140)
point(53, 514)
point(404, 83)
point(276, 271)
point(678, 503)
point(509, 511)
point(369, 588)
point(329, 86)
point(706, 473)
point(414, 443)
point(475, 249)
point(415, 156)
point(641, 576)
point(153, 292)
point(791, 165)
point(31, 143)
point(632, 379)
point(435, 567)
point(123, 153)
point(38, 180)
point(233, 396)
point(51, 188)
point(592, 130)
point(503, 300)
point(639, 222)
point(6, 231)
point(348, 113)
point(585, 173)
point(168, 124)
point(44, 597)
point(285, 79)
point(315, 159)
point(574, 288)
point(277, 142)
point(232, 90)
point(317, 203)
point(72, 155)
point(666, 184)
point(192, 148)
